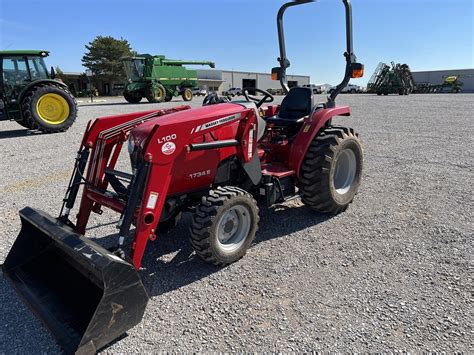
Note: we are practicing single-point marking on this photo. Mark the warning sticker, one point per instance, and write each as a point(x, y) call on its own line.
point(152, 199)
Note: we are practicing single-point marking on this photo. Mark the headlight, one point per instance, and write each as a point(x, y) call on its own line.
point(131, 144)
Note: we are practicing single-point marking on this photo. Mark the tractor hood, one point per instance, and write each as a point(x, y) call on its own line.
point(182, 123)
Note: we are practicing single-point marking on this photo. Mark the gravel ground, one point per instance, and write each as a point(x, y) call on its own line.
point(391, 273)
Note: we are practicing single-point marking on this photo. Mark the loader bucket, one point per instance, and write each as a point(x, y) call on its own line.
point(84, 294)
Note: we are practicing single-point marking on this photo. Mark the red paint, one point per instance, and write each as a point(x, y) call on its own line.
point(303, 139)
point(165, 137)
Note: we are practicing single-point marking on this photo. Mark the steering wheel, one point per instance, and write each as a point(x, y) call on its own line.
point(214, 99)
point(267, 97)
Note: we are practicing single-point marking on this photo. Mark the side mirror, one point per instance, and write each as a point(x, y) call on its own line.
point(357, 70)
point(276, 73)
point(53, 73)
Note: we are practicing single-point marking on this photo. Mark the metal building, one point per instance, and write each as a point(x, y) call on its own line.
point(438, 76)
point(222, 80)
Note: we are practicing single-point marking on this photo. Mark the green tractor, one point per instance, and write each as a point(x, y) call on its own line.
point(29, 94)
point(159, 79)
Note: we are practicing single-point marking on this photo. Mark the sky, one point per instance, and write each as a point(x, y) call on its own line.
point(241, 34)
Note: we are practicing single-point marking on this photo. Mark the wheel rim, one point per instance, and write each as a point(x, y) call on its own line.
point(52, 108)
point(345, 172)
point(188, 94)
point(159, 94)
point(233, 228)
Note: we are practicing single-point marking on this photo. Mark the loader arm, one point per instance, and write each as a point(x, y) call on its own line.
point(102, 141)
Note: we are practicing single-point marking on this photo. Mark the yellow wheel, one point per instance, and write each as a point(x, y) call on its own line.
point(159, 94)
point(49, 108)
point(187, 95)
point(52, 108)
point(155, 94)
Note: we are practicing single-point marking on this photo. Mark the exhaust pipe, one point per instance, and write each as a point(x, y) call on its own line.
point(84, 294)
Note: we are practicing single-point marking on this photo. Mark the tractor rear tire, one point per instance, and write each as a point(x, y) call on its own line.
point(168, 98)
point(155, 94)
point(187, 95)
point(224, 225)
point(49, 108)
point(132, 98)
point(331, 172)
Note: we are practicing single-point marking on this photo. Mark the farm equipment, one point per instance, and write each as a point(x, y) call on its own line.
point(212, 161)
point(451, 84)
point(31, 96)
point(386, 80)
point(159, 79)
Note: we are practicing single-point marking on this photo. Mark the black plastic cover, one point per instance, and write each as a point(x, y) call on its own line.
point(84, 294)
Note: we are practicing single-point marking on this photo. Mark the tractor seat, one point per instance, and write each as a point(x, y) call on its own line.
point(296, 105)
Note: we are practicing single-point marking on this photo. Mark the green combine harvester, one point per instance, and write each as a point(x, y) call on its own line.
point(29, 94)
point(159, 79)
point(396, 79)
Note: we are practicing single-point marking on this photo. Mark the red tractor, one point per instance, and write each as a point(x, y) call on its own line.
point(213, 161)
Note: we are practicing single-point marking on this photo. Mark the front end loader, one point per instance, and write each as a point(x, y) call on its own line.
point(214, 162)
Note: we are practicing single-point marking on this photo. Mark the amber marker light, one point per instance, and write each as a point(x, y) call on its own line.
point(357, 71)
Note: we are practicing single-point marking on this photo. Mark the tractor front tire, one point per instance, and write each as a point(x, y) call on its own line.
point(331, 172)
point(155, 94)
point(224, 225)
point(187, 95)
point(132, 98)
point(49, 108)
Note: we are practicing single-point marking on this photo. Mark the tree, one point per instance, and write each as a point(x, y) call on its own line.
point(103, 57)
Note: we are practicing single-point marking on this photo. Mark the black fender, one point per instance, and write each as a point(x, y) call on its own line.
point(37, 83)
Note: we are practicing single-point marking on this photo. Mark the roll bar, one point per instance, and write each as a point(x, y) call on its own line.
point(353, 69)
point(283, 60)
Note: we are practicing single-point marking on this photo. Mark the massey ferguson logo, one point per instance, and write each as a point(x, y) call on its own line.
point(216, 123)
point(168, 148)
